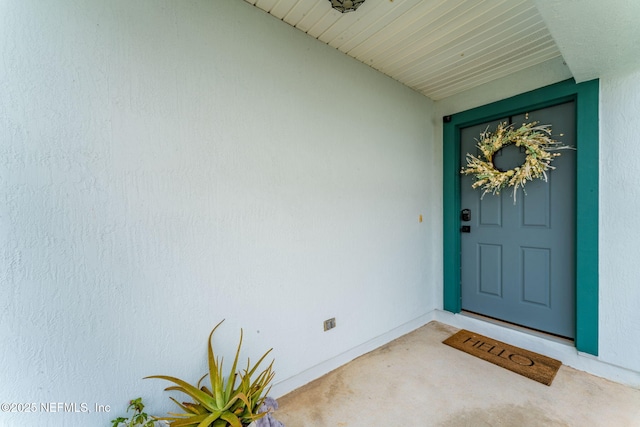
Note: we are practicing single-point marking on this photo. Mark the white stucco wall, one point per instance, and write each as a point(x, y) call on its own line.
point(165, 165)
point(619, 198)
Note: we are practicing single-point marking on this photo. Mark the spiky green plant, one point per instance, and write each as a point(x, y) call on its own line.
point(233, 401)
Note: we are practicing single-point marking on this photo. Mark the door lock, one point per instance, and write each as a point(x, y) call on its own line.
point(465, 215)
point(465, 229)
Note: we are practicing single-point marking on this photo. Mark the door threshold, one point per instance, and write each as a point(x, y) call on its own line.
point(534, 332)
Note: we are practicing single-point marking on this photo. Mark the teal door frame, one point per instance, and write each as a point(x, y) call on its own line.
point(586, 97)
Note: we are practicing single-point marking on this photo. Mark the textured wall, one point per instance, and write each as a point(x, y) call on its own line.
point(164, 165)
point(595, 37)
point(619, 200)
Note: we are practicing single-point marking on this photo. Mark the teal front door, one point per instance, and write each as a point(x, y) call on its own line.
point(518, 260)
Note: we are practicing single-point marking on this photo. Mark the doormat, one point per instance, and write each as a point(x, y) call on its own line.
point(524, 362)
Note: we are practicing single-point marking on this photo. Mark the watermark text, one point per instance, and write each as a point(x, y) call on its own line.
point(54, 407)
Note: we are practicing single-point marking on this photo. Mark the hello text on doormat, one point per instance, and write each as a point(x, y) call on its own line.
point(527, 363)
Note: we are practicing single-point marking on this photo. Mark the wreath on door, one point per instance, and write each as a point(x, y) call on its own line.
point(538, 144)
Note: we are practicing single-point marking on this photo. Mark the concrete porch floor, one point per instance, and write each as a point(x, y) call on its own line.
point(418, 381)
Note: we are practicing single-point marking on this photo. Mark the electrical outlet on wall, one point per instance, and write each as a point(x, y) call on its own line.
point(329, 324)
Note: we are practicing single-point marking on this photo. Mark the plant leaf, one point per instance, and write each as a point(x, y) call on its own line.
point(231, 380)
point(250, 373)
point(231, 419)
point(198, 420)
point(233, 400)
point(190, 390)
point(215, 371)
point(210, 419)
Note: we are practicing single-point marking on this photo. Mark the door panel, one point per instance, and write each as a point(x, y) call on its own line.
point(489, 269)
point(536, 283)
point(518, 260)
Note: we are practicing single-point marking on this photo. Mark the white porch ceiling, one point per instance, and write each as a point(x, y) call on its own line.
point(436, 47)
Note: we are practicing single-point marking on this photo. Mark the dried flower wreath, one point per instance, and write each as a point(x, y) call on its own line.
point(537, 141)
